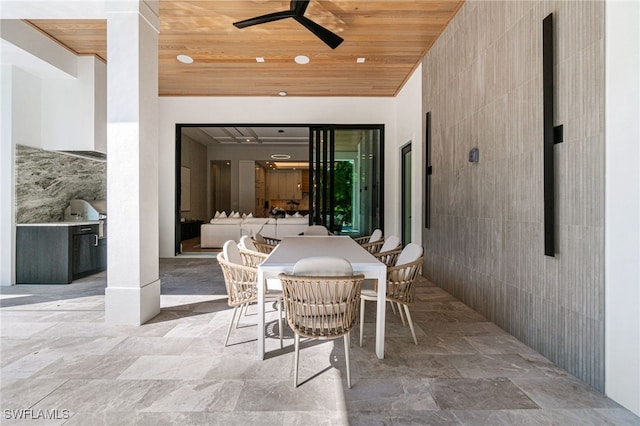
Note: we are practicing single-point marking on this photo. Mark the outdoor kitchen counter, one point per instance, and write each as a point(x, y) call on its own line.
point(59, 252)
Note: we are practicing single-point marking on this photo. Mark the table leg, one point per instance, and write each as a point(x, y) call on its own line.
point(260, 314)
point(380, 320)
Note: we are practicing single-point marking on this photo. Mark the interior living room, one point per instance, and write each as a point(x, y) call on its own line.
point(269, 173)
point(509, 155)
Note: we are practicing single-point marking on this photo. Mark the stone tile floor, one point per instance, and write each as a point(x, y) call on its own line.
point(60, 360)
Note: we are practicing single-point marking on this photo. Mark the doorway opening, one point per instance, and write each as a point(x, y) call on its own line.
point(330, 175)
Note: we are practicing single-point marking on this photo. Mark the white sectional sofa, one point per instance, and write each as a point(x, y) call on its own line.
point(215, 233)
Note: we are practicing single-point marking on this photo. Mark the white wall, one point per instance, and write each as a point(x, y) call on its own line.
point(246, 186)
point(271, 110)
point(74, 111)
point(622, 204)
point(7, 180)
point(60, 99)
point(409, 129)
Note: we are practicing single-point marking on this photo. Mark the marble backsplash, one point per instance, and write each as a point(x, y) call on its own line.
point(46, 181)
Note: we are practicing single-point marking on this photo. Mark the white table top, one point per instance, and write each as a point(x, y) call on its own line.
point(292, 249)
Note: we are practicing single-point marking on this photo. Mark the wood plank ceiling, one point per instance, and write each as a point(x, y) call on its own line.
point(392, 36)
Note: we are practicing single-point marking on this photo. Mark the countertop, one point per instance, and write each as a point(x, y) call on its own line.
point(68, 223)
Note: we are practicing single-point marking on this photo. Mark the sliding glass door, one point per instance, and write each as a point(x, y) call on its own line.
point(346, 184)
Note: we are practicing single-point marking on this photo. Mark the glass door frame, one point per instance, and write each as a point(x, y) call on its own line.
point(327, 155)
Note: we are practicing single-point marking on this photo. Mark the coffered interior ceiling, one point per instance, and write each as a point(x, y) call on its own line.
point(267, 140)
point(391, 36)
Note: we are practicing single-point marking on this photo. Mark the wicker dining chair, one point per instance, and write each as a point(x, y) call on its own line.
point(372, 243)
point(401, 279)
point(241, 282)
point(389, 250)
point(264, 244)
point(375, 236)
point(249, 253)
point(321, 302)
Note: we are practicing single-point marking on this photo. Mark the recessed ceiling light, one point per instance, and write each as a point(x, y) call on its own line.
point(185, 59)
point(301, 59)
point(280, 156)
point(282, 93)
point(259, 59)
point(360, 60)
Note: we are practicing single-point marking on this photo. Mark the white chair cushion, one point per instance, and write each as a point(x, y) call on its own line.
point(316, 230)
point(323, 266)
point(375, 235)
point(231, 252)
point(245, 242)
point(411, 252)
point(391, 243)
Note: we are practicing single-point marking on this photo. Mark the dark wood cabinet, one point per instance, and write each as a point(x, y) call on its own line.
point(58, 254)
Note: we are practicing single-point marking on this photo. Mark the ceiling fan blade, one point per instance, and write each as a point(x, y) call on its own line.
point(299, 6)
point(332, 40)
point(276, 16)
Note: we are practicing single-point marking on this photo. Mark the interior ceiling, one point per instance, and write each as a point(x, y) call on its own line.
point(392, 36)
point(269, 137)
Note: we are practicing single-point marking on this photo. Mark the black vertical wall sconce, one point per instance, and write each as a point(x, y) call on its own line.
point(552, 135)
point(427, 171)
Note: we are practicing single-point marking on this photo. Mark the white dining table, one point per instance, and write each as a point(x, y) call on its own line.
point(292, 249)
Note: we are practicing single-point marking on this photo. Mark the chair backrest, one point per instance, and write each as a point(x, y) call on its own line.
point(391, 243)
point(411, 252)
point(321, 297)
point(375, 235)
point(247, 243)
point(316, 230)
point(240, 281)
point(231, 252)
point(323, 266)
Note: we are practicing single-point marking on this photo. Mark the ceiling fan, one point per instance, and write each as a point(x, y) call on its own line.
point(296, 11)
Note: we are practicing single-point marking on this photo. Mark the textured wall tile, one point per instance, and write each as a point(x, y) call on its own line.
point(487, 93)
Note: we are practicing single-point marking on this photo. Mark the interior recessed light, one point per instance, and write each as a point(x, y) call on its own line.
point(282, 93)
point(280, 156)
point(360, 60)
point(301, 59)
point(185, 59)
point(259, 59)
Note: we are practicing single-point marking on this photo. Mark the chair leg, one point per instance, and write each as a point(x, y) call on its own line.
point(393, 308)
point(346, 357)
point(361, 319)
point(230, 325)
point(279, 302)
point(296, 356)
point(243, 306)
point(401, 315)
point(413, 332)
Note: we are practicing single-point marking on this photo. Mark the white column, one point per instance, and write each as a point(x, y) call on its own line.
point(133, 290)
point(622, 204)
point(7, 180)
